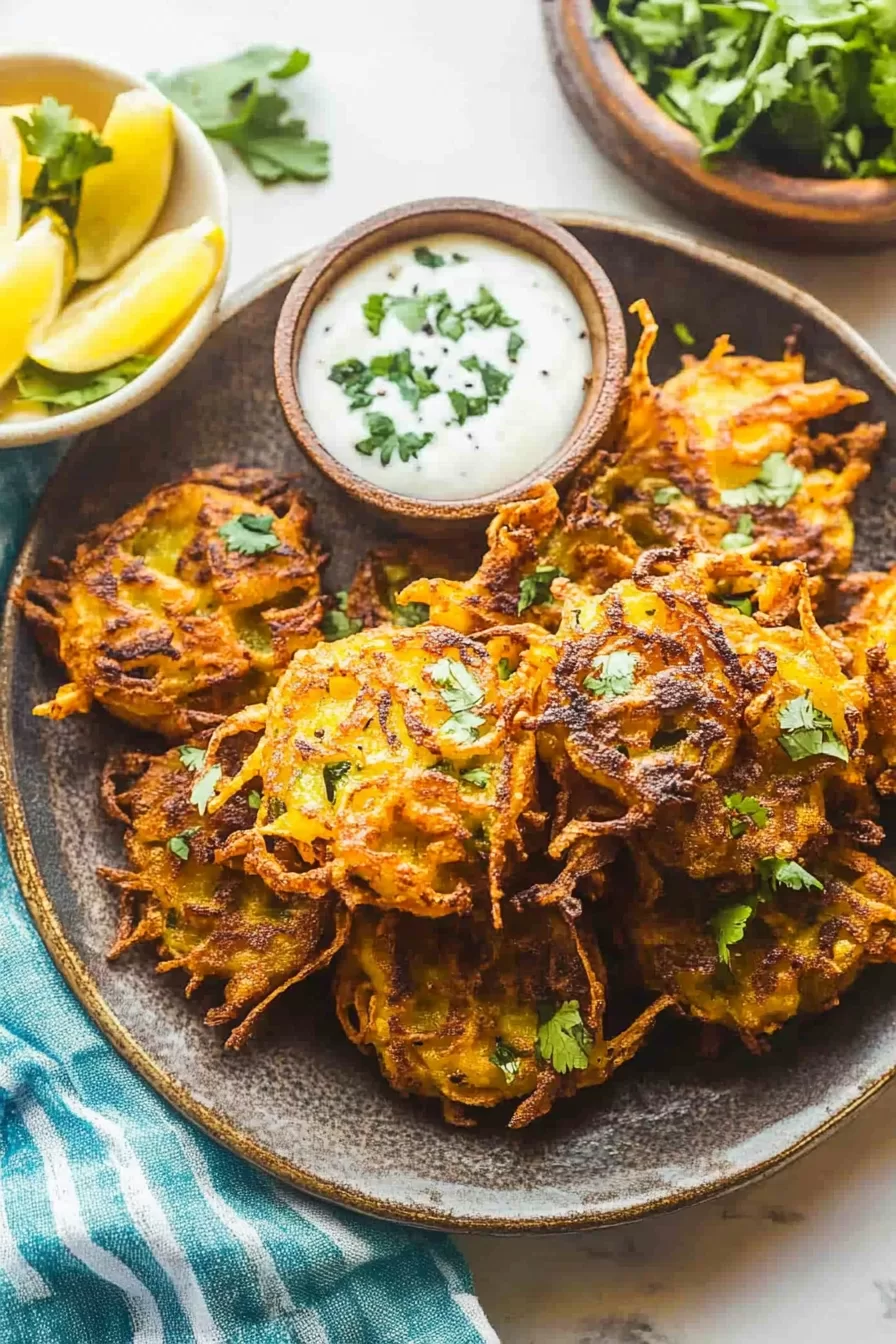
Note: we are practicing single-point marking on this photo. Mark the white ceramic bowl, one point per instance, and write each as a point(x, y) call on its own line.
point(197, 188)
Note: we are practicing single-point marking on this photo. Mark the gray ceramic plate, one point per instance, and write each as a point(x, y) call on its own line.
point(300, 1100)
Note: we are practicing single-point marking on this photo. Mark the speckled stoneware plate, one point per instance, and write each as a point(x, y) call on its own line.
point(300, 1100)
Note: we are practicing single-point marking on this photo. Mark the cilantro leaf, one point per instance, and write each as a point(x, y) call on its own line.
point(774, 873)
point(563, 1039)
point(374, 309)
point(204, 789)
point(505, 671)
point(729, 926)
point(70, 390)
point(747, 811)
point(424, 257)
point(616, 674)
point(250, 533)
point(461, 692)
point(494, 382)
point(410, 613)
point(449, 323)
point(477, 776)
point(776, 484)
point(535, 588)
point(180, 844)
point(254, 799)
point(385, 440)
point(411, 310)
point(683, 333)
point(67, 152)
point(336, 624)
point(806, 731)
point(462, 727)
point(192, 757)
point(742, 604)
point(333, 772)
point(666, 494)
point(235, 101)
point(515, 344)
point(506, 1059)
point(488, 312)
point(741, 537)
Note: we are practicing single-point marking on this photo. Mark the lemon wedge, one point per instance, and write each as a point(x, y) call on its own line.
point(11, 154)
point(34, 276)
point(132, 310)
point(121, 199)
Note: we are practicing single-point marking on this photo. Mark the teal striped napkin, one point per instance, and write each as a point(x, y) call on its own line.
point(122, 1224)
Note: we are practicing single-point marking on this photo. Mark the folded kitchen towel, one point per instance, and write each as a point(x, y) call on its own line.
point(122, 1224)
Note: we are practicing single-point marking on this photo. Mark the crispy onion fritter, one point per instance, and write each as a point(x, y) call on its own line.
point(159, 619)
point(208, 920)
point(450, 1007)
point(798, 951)
point(869, 634)
point(390, 763)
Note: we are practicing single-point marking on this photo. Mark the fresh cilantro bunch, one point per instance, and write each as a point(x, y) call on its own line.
point(238, 101)
point(67, 151)
point(807, 87)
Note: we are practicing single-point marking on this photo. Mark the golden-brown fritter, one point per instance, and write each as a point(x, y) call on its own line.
point(751, 957)
point(691, 722)
point(722, 455)
point(869, 634)
point(451, 1009)
point(389, 760)
point(210, 921)
point(187, 606)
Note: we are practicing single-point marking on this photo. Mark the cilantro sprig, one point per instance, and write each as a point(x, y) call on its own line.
point(807, 731)
point(192, 757)
point(67, 152)
point(334, 772)
point(775, 485)
point(238, 101)
point(506, 1059)
point(563, 1039)
point(615, 674)
point(746, 811)
point(729, 924)
point(179, 845)
point(383, 438)
point(203, 790)
point(535, 588)
point(250, 534)
point(462, 693)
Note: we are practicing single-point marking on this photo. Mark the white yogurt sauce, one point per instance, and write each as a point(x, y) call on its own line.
point(507, 416)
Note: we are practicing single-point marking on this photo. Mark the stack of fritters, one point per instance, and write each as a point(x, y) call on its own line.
point(627, 723)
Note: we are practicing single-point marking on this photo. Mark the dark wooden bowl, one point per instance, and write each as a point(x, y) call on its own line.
point(531, 233)
point(798, 213)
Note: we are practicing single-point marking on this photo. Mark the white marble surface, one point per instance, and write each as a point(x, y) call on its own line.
point(423, 98)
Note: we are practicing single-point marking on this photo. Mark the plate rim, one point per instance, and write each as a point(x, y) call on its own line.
point(68, 962)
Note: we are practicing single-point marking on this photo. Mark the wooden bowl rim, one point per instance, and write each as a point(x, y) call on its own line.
point(737, 180)
point(329, 264)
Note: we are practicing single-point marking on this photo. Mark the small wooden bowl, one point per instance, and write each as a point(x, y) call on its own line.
point(798, 213)
point(531, 233)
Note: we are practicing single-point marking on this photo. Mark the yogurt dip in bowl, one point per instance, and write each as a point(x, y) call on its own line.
point(438, 359)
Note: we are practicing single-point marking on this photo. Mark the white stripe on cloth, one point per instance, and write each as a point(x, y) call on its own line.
point(27, 1284)
point(354, 1250)
point(274, 1292)
point(149, 1219)
point(70, 1226)
point(468, 1303)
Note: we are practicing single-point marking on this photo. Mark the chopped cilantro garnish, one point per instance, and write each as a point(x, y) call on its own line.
point(563, 1039)
point(465, 406)
point(354, 378)
point(776, 484)
point(254, 799)
point(461, 692)
point(535, 588)
point(424, 257)
point(488, 312)
point(729, 925)
point(806, 731)
point(505, 671)
point(515, 344)
point(374, 310)
point(336, 624)
point(449, 323)
point(250, 533)
point(410, 613)
point(506, 1059)
point(477, 776)
point(683, 333)
point(742, 604)
point(741, 537)
point(615, 674)
point(494, 382)
point(774, 873)
point(410, 310)
point(204, 789)
point(333, 772)
point(192, 757)
point(747, 810)
point(180, 844)
point(385, 440)
point(666, 494)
